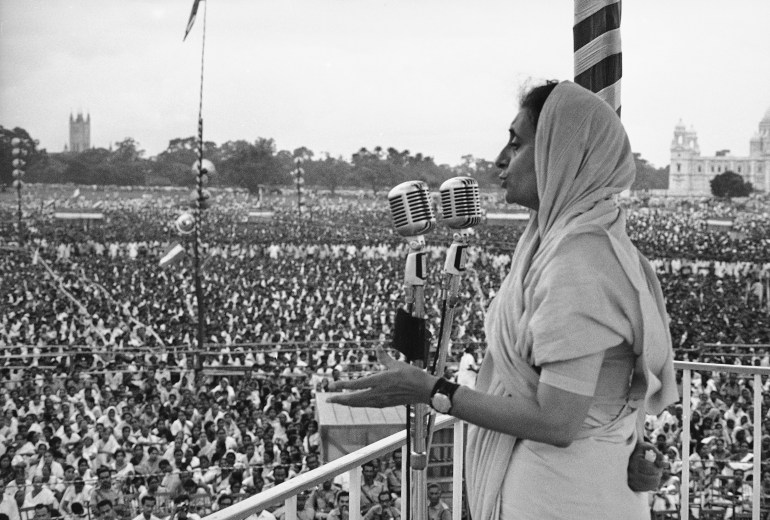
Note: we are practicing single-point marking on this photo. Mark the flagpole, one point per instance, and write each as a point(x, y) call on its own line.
point(200, 200)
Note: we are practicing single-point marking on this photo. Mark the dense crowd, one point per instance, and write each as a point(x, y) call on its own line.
point(137, 419)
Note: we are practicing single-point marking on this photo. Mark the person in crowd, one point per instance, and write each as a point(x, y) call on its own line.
point(76, 493)
point(383, 509)
point(8, 506)
point(148, 506)
point(437, 509)
point(468, 370)
point(341, 510)
point(371, 489)
point(39, 494)
point(106, 510)
point(105, 490)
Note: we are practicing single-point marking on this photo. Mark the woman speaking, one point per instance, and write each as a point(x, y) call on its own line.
point(577, 336)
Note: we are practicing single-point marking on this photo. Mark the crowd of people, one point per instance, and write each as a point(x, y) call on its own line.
point(110, 409)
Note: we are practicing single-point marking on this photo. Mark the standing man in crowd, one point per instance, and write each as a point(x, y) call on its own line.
point(468, 370)
point(437, 509)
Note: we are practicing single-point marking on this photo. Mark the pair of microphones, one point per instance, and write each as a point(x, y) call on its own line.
point(412, 211)
point(413, 217)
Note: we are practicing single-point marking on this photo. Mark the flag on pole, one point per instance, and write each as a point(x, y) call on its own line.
point(173, 254)
point(191, 21)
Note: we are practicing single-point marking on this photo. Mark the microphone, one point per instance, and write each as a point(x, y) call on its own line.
point(461, 202)
point(412, 215)
point(410, 209)
point(461, 205)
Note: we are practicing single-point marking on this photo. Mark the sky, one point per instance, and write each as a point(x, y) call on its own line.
point(439, 77)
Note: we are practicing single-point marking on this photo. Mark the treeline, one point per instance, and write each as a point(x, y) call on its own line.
point(241, 164)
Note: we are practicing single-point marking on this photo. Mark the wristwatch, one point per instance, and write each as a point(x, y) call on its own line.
point(441, 395)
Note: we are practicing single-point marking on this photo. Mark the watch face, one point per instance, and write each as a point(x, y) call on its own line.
point(441, 403)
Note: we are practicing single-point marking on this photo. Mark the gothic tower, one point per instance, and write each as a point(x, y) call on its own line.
point(80, 133)
point(684, 148)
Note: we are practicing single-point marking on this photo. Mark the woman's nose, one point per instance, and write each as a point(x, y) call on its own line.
point(502, 160)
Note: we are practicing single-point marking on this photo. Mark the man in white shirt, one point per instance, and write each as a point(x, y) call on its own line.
point(77, 492)
point(148, 505)
point(39, 495)
point(466, 375)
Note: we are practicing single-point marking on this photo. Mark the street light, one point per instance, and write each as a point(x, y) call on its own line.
point(19, 154)
point(202, 169)
point(298, 172)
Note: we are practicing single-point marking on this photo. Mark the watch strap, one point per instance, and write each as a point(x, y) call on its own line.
point(445, 387)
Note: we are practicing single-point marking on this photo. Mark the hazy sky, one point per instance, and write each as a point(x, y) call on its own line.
point(440, 77)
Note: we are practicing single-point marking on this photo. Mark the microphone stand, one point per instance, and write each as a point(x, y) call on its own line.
point(454, 267)
point(411, 338)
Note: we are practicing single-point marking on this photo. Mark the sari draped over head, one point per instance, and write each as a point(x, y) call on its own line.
point(582, 160)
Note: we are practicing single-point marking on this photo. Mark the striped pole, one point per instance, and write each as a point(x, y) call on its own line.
point(199, 201)
point(598, 56)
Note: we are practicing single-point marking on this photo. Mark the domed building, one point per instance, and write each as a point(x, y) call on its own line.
point(690, 173)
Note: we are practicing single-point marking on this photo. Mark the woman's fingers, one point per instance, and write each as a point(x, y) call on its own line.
point(358, 384)
point(369, 398)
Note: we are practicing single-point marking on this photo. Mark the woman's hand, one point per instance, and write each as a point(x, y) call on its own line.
point(400, 383)
point(645, 467)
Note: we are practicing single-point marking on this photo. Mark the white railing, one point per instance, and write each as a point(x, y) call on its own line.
point(287, 492)
point(757, 373)
point(351, 463)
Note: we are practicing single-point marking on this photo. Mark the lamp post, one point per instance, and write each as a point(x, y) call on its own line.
point(202, 168)
point(19, 154)
point(298, 172)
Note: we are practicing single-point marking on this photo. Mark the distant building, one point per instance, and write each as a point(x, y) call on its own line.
point(690, 173)
point(80, 133)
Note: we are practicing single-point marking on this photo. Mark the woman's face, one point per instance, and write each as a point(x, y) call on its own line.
point(517, 162)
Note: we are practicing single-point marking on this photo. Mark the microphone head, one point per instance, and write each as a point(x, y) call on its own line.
point(410, 209)
point(461, 202)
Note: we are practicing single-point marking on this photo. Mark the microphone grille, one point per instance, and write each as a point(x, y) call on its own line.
point(410, 208)
point(461, 202)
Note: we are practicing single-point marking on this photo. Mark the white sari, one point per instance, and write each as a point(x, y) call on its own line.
point(583, 158)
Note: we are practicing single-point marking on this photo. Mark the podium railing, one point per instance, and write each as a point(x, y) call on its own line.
point(351, 463)
point(287, 492)
point(756, 374)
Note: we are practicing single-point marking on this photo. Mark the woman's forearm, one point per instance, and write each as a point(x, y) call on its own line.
point(553, 418)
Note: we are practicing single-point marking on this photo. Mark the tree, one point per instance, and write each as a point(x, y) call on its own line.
point(730, 184)
point(251, 165)
point(647, 176)
point(174, 164)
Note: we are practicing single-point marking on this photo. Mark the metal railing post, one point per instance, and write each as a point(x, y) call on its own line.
point(684, 508)
point(291, 508)
point(355, 493)
point(458, 459)
point(757, 447)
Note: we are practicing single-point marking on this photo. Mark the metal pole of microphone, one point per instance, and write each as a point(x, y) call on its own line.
point(414, 287)
point(413, 216)
point(462, 209)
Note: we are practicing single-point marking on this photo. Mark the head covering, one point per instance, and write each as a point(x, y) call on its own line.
point(582, 160)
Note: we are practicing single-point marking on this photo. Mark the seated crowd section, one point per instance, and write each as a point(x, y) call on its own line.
point(109, 410)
